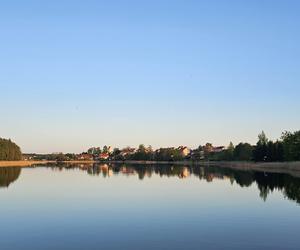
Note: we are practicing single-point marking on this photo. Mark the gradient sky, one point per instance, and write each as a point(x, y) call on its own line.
point(75, 74)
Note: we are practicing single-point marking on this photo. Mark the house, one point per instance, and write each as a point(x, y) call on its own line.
point(218, 149)
point(185, 151)
point(197, 154)
point(110, 149)
point(103, 156)
point(28, 157)
point(128, 171)
point(85, 157)
point(128, 151)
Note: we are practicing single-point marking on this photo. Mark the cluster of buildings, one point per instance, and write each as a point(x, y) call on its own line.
point(125, 153)
point(129, 153)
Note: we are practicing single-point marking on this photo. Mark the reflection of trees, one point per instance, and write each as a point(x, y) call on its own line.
point(9, 175)
point(266, 182)
point(243, 178)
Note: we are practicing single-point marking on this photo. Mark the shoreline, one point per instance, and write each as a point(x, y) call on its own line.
point(231, 164)
point(275, 167)
point(31, 163)
point(22, 163)
point(292, 168)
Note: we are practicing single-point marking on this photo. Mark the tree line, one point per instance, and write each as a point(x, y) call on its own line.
point(9, 151)
point(287, 148)
point(148, 154)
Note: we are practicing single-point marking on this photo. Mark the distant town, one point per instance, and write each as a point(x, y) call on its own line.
point(129, 153)
point(287, 148)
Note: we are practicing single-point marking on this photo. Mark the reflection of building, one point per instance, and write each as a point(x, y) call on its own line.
point(209, 177)
point(110, 172)
point(184, 173)
point(85, 166)
point(128, 171)
point(104, 167)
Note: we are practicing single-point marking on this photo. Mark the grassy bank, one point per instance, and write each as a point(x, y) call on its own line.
point(31, 163)
point(21, 163)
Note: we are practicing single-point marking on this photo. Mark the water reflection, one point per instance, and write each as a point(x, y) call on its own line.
point(9, 175)
point(266, 182)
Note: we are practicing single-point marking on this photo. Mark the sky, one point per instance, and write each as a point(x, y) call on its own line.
point(76, 74)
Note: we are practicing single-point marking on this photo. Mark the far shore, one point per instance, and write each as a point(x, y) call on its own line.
point(277, 167)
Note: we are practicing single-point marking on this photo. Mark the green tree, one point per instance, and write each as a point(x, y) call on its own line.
point(9, 151)
point(229, 152)
point(207, 150)
point(261, 148)
point(291, 145)
point(243, 152)
point(105, 149)
point(262, 138)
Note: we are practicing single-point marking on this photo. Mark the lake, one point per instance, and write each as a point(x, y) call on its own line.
point(147, 207)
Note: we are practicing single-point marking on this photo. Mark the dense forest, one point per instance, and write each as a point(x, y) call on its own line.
point(9, 151)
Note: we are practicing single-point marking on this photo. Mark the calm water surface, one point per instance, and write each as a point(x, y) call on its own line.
point(147, 207)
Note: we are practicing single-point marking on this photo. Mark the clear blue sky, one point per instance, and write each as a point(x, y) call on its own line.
point(75, 74)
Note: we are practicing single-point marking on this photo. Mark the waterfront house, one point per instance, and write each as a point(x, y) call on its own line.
point(103, 156)
point(218, 149)
point(128, 151)
point(185, 151)
point(85, 157)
